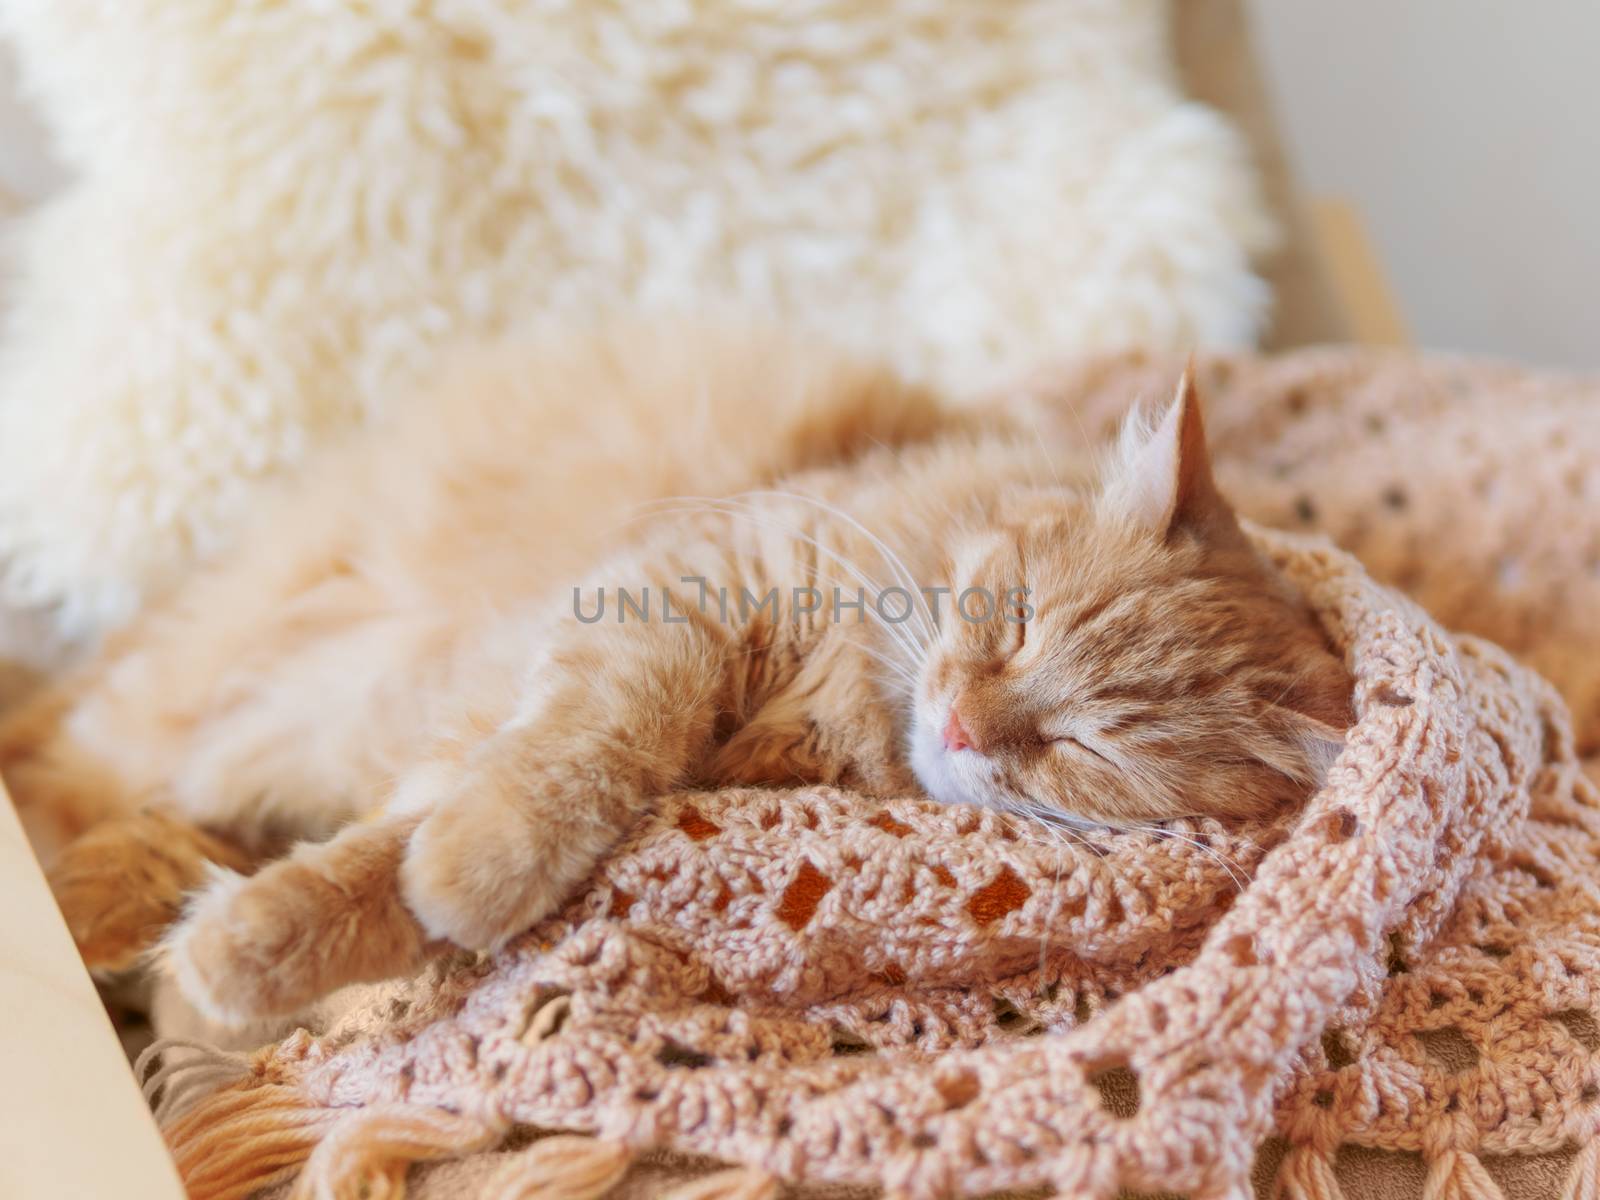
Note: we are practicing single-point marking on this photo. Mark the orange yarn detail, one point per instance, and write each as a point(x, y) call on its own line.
point(889, 825)
point(693, 822)
point(1006, 894)
point(799, 901)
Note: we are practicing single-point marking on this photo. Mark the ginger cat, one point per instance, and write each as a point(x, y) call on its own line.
point(397, 672)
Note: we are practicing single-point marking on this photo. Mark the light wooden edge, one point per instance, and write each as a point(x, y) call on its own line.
point(1357, 275)
point(73, 1121)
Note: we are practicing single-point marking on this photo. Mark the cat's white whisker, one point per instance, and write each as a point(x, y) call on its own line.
point(740, 508)
point(896, 563)
point(907, 681)
point(912, 648)
point(1059, 837)
point(1236, 872)
point(1049, 459)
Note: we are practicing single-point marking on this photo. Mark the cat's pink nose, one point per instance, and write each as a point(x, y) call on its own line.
point(955, 734)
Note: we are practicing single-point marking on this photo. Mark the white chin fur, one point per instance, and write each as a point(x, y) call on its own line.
point(958, 778)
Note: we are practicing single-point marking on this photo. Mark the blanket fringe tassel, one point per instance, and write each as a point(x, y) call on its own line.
point(244, 1138)
point(366, 1154)
point(254, 1134)
point(1459, 1175)
point(1306, 1173)
point(1583, 1181)
point(259, 1130)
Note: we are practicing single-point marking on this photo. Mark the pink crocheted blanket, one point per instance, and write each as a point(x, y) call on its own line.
point(826, 989)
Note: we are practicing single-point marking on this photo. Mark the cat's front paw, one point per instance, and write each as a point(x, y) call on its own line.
point(223, 953)
point(475, 876)
point(507, 844)
point(271, 944)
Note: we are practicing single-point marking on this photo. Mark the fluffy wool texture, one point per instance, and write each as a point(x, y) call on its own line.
point(282, 211)
point(828, 988)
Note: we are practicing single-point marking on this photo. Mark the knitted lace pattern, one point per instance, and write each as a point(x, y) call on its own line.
point(939, 1002)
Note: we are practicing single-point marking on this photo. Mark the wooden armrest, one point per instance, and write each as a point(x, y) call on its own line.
point(1356, 274)
point(75, 1124)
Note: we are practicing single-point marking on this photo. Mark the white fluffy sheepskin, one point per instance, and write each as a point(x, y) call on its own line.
point(281, 211)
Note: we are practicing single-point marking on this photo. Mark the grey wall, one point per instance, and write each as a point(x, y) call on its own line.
point(1468, 134)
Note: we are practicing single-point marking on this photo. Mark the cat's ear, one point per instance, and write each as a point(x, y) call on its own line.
point(1162, 481)
point(1317, 707)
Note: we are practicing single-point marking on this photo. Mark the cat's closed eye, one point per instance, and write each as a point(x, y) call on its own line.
point(1172, 638)
point(1067, 742)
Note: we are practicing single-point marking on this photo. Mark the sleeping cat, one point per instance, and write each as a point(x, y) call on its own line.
point(458, 661)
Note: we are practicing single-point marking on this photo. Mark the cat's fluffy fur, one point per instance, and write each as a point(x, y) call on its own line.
point(398, 643)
